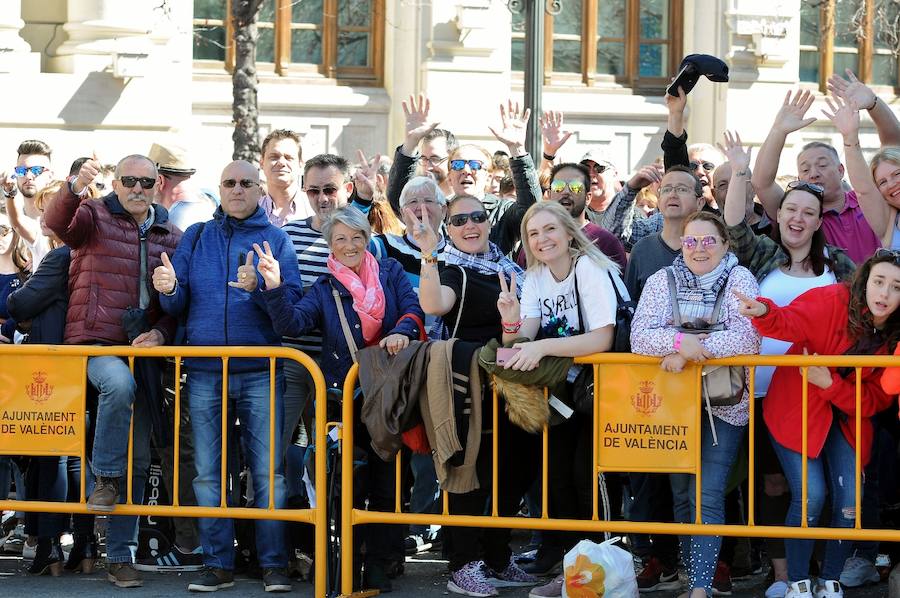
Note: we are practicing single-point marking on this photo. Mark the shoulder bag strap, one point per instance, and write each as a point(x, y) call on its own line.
point(578, 296)
point(345, 326)
point(462, 301)
point(676, 311)
point(714, 318)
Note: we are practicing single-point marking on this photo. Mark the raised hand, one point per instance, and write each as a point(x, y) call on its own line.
point(164, 278)
point(87, 173)
point(852, 90)
point(790, 117)
point(394, 343)
point(646, 175)
point(817, 375)
point(738, 157)
point(507, 301)
point(422, 233)
point(676, 104)
point(246, 276)
point(417, 122)
point(8, 182)
point(551, 132)
point(366, 177)
point(268, 267)
point(750, 307)
point(515, 126)
point(844, 115)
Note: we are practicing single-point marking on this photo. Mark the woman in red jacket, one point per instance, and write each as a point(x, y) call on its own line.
point(856, 319)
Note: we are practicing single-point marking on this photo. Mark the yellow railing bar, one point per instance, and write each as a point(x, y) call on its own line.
point(545, 463)
point(398, 476)
point(751, 458)
point(177, 440)
point(594, 456)
point(129, 469)
point(698, 471)
point(223, 493)
point(84, 459)
point(494, 457)
point(857, 480)
point(347, 510)
point(804, 447)
point(272, 421)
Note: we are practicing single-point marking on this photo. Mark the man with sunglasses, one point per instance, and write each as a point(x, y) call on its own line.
point(116, 243)
point(569, 184)
point(212, 279)
point(818, 163)
point(30, 175)
point(680, 195)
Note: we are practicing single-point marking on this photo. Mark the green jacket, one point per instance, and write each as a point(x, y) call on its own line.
point(761, 255)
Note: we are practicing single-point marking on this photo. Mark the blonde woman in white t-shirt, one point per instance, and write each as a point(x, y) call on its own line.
point(564, 269)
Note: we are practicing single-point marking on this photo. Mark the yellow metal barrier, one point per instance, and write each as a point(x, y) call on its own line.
point(316, 516)
point(351, 517)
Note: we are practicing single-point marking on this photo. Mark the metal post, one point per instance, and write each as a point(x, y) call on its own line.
point(534, 73)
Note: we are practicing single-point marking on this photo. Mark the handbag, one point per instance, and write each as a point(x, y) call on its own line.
point(721, 385)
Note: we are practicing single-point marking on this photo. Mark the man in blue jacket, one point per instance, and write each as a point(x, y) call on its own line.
point(212, 279)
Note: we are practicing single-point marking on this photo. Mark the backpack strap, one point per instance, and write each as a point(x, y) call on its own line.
point(676, 311)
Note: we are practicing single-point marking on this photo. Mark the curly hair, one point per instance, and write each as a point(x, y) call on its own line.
point(860, 322)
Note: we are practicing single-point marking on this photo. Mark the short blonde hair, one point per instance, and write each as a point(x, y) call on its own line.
point(350, 217)
point(581, 245)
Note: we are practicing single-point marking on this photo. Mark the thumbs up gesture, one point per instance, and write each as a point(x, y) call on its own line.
point(164, 279)
point(88, 172)
point(246, 275)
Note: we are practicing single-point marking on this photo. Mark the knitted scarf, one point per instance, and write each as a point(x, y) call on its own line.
point(696, 295)
point(365, 288)
point(491, 262)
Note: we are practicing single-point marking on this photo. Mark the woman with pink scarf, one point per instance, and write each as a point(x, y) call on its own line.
point(381, 308)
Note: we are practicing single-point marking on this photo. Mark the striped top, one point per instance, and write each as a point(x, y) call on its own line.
point(312, 258)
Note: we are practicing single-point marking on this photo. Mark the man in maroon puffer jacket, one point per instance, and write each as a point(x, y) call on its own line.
point(116, 243)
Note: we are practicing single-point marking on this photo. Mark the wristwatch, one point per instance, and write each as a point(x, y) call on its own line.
point(10, 194)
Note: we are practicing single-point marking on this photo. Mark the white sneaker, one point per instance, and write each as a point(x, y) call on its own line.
point(829, 589)
point(779, 589)
point(799, 589)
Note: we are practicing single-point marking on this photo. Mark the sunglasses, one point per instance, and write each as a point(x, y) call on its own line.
point(817, 190)
point(706, 241)
point(559, 185)
point(130, 181)
point(35, 170)
point(598, 168)
point(477, 217)
point(475, 165)
point(433, 160)
point(314, 192)
point(245, 183)
point(707, 166)
point(892, 254)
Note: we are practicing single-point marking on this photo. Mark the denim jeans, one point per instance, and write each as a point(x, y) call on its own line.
point(425, 491)
point(834, 472)
point(702, 552)
point(116, 401)
point(248, 401)
point(298, 390)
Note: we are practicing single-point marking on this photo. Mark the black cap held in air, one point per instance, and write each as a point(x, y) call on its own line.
point(695, 65)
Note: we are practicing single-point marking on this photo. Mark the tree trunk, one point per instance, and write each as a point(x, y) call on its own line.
point(244, 81)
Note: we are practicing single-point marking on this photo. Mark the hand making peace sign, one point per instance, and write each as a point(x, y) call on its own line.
point(268, 267)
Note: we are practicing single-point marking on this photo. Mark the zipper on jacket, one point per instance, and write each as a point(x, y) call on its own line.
point(227, 288)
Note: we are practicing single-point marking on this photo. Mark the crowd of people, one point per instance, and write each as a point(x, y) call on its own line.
point(444, 272)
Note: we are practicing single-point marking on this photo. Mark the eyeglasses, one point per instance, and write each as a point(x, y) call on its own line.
point(5, 230)
point(35, 170)
point(130, 181)
point(477, 217)
point(433, 160)
point(314, 191)
point(707, 166)
point(475, 165)
point(559, 185)
point(679, 189)
point(892, 254)
point(817, 190)
point(245, 183)
point(706, 241)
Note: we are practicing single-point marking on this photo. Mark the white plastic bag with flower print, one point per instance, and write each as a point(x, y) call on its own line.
point(599, 570)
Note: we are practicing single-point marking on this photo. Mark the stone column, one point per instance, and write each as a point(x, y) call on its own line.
point(99, 30)
point(15, 53)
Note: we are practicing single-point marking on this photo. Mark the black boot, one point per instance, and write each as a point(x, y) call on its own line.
point(84, 554)
point(48, 558)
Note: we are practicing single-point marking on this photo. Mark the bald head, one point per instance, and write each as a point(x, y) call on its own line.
point(239, 189)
